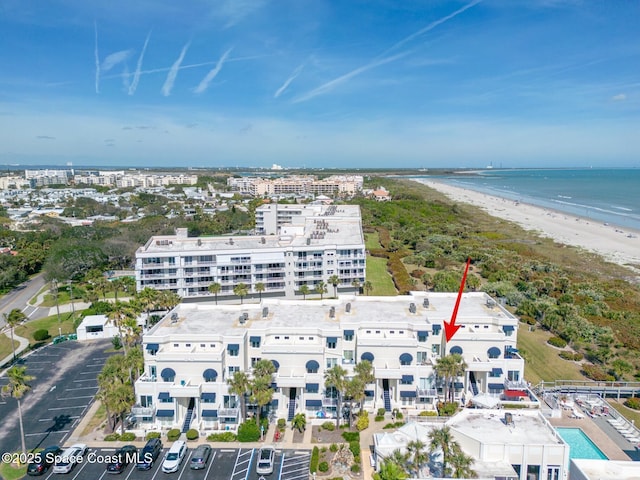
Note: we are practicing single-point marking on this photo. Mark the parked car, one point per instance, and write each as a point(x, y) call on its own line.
point(123, 457)
point(200, 457)
point(266, 458)
point(68, 459)
point(174, 456)
point(43, 460)
point(149, 454)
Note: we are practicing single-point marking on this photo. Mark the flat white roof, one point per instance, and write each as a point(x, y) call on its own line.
point(94, 320)
point(489, 427)
point(314, 315)
point(607, 469)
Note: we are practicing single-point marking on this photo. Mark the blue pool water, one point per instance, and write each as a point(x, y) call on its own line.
point(580, 445)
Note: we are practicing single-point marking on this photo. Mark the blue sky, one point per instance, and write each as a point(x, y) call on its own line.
point(320, 83)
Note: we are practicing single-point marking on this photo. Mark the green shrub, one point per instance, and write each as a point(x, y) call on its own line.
point(379, 418)
point(282, 423)
point(323, 449)
point(633, 403)
point(249, 431)
point(557, 342)
point(574, 357)
point(393, 425)
point(41, 335)
point(355, 447)
point(363, 421)
point(323, 467)
point(330, 426)
point(333, 448)
point(116, 342)
point(151, 435)
point(315, 458)
point(192, 434)
point(447, 408)
point(381, 412)
point(222, 437)
point(355, 468)
point(356, 459)
point(173, 434)
point(428, 413)
point(397, 414)
point(596, 373)
point(351, 436)
point(112, 437)
point(128, 437)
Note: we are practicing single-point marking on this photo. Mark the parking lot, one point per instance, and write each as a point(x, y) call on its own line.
point(64, 385)
point(231, 463)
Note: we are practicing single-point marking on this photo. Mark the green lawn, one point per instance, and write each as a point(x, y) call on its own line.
point(626, 412)
point(379, 277)
point(542, 360)
point(372, 240)
point(5, 344)
point(9, 471)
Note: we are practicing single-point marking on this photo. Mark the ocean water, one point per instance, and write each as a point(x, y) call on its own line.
point(609, 195)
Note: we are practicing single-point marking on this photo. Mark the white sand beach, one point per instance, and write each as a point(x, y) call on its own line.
point(616, 244)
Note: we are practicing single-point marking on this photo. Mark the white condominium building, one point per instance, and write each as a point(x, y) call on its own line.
point(322, 242)
point(192, 352)
point(347, 185)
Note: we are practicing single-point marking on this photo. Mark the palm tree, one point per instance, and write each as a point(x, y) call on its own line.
point(304, 290)
point(264, 368)
point(461, 463)
point(441, 438)
point(215, 288)
point(356, 285)
point(168, 299)
point(320, 288)
point(299, 421)
point(390, 470)
point(336, 377)
point(364, 372)
point(368, 287)
point(335, 281)
point(239, 385)
point(450, 367)
point(13, 319)
point(119, 315)
point(240, 290)
point(354, 392)
point(418, 455)
point(124, 284)
point(147, 298)
point(260, 288)
point(16, 388)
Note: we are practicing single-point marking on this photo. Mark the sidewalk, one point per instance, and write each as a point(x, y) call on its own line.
point(24, 344)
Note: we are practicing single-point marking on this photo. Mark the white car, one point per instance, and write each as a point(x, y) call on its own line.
point(265, 460)
point(174, 457)
point(67, 459)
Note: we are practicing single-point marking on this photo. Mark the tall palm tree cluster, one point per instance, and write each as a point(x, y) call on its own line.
point(116, 384)
point(349, 389)
point(255, 388)
point(412, 462)
point(448, 368)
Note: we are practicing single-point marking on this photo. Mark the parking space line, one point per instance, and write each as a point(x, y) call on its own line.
point(186, 461)
point(79, 388)
point(238, 468)
point(84, 464)
point(68, 406)
point(281, 466)
point(213, 457)
point(51, 419)
point(85, 380)
point(45, 433)
point(75, 398)
point(103, 474)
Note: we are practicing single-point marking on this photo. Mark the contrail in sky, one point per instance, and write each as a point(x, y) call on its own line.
point(326, 87)
point(97, 57)
point(204, 84)
point(431, 26)
point(173, 73)
point(288, 81)
point(136, 74)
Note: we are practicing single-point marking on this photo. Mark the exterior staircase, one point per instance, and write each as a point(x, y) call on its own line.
point(386, 396)
point(472, 380)
point(292, 404)
point(187, 420)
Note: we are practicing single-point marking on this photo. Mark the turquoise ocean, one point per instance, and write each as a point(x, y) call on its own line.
point(609, 195)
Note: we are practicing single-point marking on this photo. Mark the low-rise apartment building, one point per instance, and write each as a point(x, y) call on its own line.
point(322, 242)
point(192, 352)
point(347, 185)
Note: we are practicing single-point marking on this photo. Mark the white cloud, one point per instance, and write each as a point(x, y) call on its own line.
point(114, 59)
point(204, 83)
point(136, 74)
point(173, 73)
point(621, 97)
point(288, 81)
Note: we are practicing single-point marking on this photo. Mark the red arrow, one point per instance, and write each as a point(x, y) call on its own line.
point(450, 328)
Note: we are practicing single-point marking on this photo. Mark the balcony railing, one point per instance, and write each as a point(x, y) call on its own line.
point(140, 411)
point(228, 412)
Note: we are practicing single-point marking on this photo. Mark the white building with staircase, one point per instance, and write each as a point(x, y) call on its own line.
point(192, 352)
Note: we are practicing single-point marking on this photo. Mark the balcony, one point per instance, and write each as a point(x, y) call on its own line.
point(427, 392)
point(184, 390)
point(228, 413)
point(140, 411)
point(329, 402)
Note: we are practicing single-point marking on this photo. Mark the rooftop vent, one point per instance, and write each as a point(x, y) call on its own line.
point(243, 318)
point(412, 307)
point(332, 312)
point(425, 303)
point(263, 240)
point(508, 419)
point(174, 317)
point(265, 312)
point(308, 241)
point(491, 302)
point(199, 242)
point(347, 307)
point(231, 241)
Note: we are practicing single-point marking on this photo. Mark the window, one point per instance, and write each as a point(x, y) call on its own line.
point(152, 371)
point(422, 336)
point(146, 400)
point(422, 357)
point(255, 343)
point(435, 349)
point(533, 472)
point(348, 337)
point(331, 362)
point(203, 345)
point(232, 370)
point(233, 352)
point(255, 360)
point(187, 345)
point(331, 343)
point(553, 472)
point(513, 375)
point(300, 338)
point(176, 345)
point(348, 356)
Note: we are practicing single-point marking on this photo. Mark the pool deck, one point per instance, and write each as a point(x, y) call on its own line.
point(607, 438)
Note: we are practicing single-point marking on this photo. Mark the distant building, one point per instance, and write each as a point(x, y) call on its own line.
point(381, 194)
point(96, 327)
point(321, 241)
point(347, 185)
point(42, 178)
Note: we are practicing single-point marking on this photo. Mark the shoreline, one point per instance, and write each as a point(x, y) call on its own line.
point(613, 243)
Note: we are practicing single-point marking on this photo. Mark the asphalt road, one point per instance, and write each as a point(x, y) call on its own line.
point(64, 386)
point(226, 463)
point(19, 298)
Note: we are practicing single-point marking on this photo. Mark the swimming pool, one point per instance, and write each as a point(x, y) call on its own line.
point(580, 445)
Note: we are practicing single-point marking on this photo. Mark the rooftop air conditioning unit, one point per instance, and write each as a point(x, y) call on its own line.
point(425, 303)
point(347, 307)
point(174, 317)
point(265, 312)
point(242, 319)
point(412, 307)
point(332, 312)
